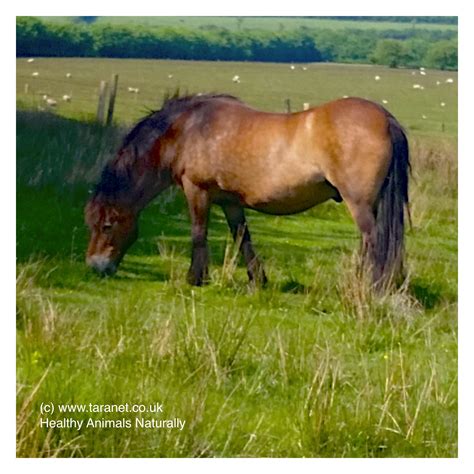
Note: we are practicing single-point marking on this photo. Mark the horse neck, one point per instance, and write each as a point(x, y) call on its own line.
point(146, 181)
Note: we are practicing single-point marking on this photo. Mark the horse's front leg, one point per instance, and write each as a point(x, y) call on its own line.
point(199, 204)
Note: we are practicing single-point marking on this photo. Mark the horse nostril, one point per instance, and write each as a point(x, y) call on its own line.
point(109, 271)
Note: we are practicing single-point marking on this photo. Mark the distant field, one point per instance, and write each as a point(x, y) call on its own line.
point(314, 365)
point(262, 85)
point(270, 23)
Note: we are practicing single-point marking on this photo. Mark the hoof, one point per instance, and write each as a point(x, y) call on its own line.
point(197, 280)
point(258, 278)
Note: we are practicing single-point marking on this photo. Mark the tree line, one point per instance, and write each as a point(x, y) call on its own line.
point(405, 47)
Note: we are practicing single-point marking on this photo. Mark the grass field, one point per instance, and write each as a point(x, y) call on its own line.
point(263, 85)
point(314, 365)
point(269, 22)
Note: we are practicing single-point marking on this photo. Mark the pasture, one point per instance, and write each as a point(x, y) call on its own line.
point(265, 86)
point(313, 365)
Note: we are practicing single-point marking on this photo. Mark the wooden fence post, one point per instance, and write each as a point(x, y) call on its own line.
point(101, 106)
point(113, 94)
point(288, 106)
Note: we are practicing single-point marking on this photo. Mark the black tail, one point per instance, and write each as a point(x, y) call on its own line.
point(390, 222)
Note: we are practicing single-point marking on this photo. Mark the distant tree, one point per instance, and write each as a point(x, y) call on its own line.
point(415, 51)
point(36, 38)
point(390, 52)
point(87, 19)
point(29, 32)
point(443, 55)
point(396, 47)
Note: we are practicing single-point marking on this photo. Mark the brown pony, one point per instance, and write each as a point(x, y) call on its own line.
point(219, 150)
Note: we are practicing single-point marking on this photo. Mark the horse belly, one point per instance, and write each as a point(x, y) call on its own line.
point(297, 199)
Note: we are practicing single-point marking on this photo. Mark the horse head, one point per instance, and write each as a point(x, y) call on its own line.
point(113, 229)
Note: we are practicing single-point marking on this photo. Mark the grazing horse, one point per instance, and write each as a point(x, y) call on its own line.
point(219, 150)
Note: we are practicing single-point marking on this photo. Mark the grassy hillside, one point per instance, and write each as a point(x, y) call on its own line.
point(314, 365)
point(265, 23)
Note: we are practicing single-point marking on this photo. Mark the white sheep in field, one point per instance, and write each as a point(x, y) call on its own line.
point(134, 90)
point(35, 74)
point(67, 98)
point(30, 60)
point(377, 78)
point(449, 80)
point(292, 67)
point(50, 101)
point(68, 75)
point(305, 105)
point(236, 79)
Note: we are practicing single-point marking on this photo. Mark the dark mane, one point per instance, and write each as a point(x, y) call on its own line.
point(114, 181)
point(150, 127)
point(116, 177)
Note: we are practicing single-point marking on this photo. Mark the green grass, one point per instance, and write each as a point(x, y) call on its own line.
point(270, 23)
point(314, 365)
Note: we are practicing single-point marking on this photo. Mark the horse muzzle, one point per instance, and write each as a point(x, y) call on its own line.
point(102, 265)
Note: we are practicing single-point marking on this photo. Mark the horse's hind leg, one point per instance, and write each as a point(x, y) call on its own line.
point(235, 216)
point(199, 204)
point(363, 215)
